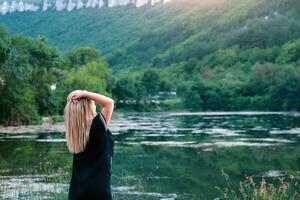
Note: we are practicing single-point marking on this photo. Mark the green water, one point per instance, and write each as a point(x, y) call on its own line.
point(160, 155)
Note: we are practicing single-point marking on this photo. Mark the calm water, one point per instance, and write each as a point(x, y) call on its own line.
point(160, 155)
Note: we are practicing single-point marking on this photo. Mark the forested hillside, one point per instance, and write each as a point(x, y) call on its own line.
point(163, 34)
point(196, 55)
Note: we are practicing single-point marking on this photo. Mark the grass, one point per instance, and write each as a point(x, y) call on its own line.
point(276, 188)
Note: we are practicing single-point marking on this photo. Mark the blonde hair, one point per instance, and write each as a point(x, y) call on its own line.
point(78, 119)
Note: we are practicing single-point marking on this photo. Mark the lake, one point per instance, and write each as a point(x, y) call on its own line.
point(164, 155)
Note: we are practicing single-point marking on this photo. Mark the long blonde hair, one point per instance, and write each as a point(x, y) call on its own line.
point(78, 119)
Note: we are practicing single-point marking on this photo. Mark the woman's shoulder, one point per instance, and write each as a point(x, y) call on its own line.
point(99, 122)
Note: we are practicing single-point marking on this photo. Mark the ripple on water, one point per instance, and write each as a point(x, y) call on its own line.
point(232, 113)
point(161, 143)
point(289, 131)
point(212, 144)
point(18, 136)
point(275, 140)
point(50, 140)
point(161, 135)
point(218, 131)
point(221, 144)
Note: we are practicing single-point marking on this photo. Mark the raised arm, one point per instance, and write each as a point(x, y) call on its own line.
point(106, 103)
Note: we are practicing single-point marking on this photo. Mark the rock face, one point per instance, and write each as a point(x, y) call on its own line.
point(69, 5)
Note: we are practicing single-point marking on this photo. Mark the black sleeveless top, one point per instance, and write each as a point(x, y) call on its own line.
point(91, 170)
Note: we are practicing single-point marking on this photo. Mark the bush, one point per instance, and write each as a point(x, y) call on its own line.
point(57, 118)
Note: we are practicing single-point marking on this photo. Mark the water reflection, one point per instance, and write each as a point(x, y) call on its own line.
point(161, 155)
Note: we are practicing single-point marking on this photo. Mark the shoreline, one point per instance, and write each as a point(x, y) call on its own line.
point(49, 126)
point(59, 127)
point(45, 127)
point(119, 122)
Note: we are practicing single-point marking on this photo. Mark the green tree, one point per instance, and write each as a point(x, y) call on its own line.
point(95, 76)
point(289, 53)
point(82, 56)
point(151, 81)
point(17, 102)
point(125, 90)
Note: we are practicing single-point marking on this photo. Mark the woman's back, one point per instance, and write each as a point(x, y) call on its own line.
point(91, 170)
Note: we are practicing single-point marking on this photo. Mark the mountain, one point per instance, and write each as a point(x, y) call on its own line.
point(208, 55)
point(164, 34)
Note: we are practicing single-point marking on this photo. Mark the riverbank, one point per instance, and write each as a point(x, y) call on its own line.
point(120, 122)
point(47, 126)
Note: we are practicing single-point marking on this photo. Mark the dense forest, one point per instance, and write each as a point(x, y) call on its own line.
point(208, 55)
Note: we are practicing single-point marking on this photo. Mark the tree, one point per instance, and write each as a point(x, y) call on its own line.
point(289, 53)
point(82, 56)
point(94, 76)
point(4, 42)
point(125, 90)
point(17, 102)
point(151, 81)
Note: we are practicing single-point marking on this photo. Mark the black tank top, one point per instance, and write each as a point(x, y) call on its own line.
point(91, 170)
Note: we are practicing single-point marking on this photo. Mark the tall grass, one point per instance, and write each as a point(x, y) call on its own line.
point(275, 188)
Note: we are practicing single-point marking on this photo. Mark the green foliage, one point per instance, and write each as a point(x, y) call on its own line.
point(150, 80)
point(82, 56)
point(164, 34)
point(93, 76)
point(30, 72)
point(125, 88)
point(289, 53)
point(4, 48)
point(57, 118)
point(211, 55)
point(228, 79)
point(17, 103)
point(145, 90)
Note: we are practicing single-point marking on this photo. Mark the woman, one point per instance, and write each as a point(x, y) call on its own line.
point(91, 143)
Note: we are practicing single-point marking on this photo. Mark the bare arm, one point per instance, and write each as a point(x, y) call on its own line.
point(106, 102)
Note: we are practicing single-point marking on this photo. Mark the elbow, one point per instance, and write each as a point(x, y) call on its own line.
point(111, 103)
